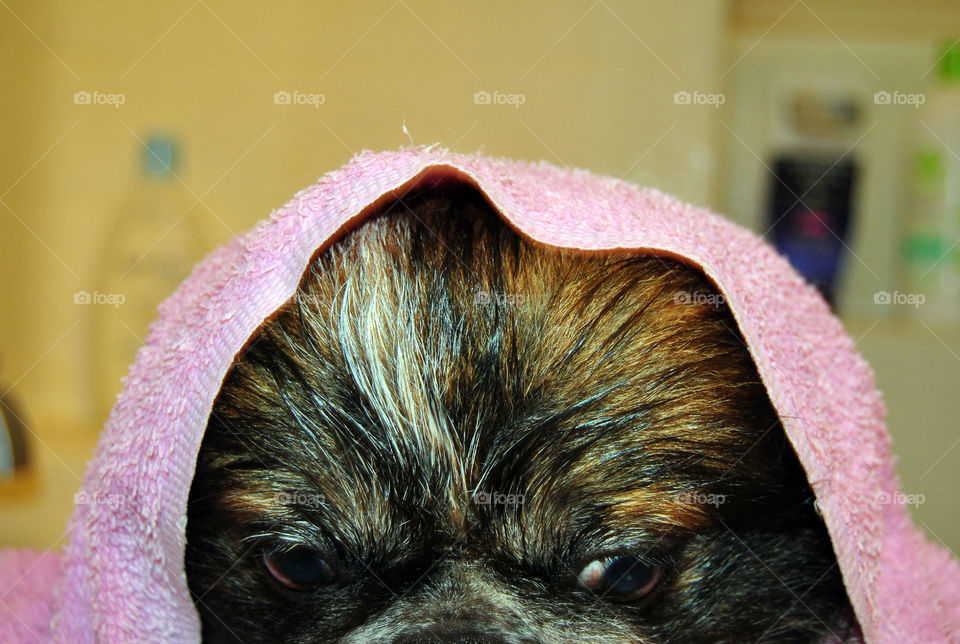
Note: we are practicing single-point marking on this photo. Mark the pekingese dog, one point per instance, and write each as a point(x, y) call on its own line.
point(453, 433)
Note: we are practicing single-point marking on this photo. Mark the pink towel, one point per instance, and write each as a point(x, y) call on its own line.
point(121, 577)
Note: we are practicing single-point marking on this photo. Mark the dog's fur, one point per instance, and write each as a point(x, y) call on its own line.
point(433, 359)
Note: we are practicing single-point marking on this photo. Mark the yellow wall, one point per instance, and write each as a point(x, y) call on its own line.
point(598, 82)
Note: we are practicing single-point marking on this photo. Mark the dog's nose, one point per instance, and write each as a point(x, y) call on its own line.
point(449, 635)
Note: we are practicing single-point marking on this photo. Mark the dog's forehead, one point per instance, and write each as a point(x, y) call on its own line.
point(463, 368)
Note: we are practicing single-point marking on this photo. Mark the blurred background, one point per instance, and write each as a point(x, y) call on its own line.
point(136, 137)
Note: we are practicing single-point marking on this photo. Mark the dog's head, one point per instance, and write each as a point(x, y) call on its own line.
point(455, 434)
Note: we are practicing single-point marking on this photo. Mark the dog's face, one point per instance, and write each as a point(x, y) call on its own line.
point(455, 434)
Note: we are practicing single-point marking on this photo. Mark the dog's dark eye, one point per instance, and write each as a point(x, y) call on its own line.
point(299, 567)
point(620, 578)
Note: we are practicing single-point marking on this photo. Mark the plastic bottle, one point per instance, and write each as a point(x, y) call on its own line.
point(151, 247)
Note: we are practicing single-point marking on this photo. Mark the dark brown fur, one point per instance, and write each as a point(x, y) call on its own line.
point(433, 354)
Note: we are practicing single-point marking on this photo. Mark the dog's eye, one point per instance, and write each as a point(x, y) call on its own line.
point(620, 578)
point(299, 567)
